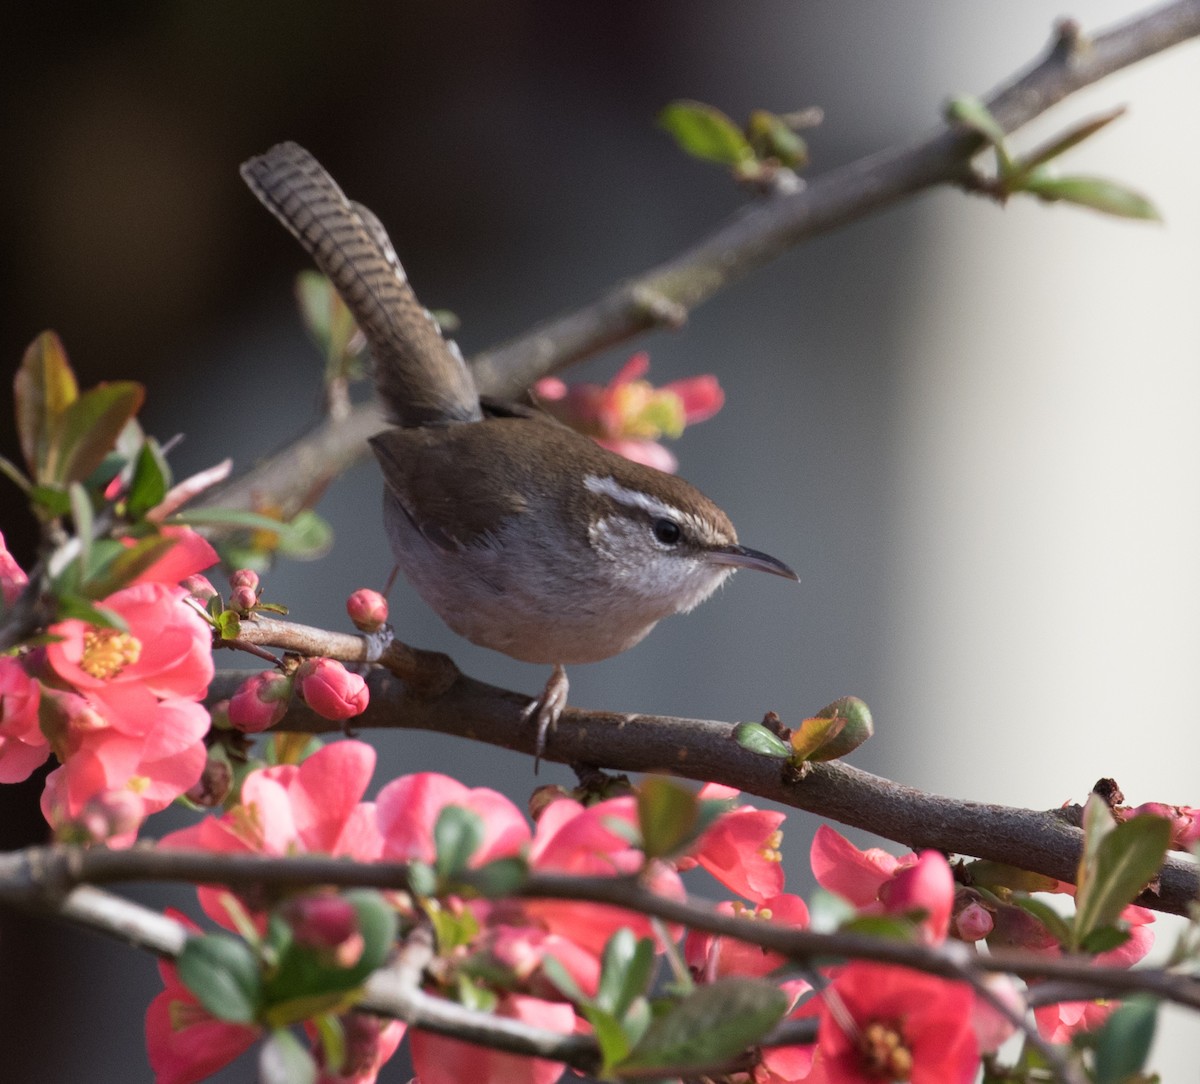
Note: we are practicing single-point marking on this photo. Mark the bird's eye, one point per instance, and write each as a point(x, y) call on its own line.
point(667, 531)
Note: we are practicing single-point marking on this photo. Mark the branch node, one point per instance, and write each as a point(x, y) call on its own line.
point(664, 311)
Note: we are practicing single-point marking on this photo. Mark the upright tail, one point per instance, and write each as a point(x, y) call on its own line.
point(421, 377)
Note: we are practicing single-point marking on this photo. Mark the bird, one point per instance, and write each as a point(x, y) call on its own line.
point(521, 534)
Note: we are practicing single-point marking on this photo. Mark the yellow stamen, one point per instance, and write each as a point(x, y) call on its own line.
point(106, 652)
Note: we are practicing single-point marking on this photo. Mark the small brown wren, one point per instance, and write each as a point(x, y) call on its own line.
point(521, 534)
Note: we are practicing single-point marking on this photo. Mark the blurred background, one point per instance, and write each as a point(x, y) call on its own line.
point(973, 431)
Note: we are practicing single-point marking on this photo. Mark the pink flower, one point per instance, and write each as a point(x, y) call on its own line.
point(741, 848)
point(331, 690)
point(313, 807)
point(407, 810)
point(439, 1060)
point(12, 577)
point(628, 415)
point(857, 876)
point(787, 1064)
point(906, 1026)
point(260, 701)
point(571, 838)
point(1185, 821)
point(167, 650)
point(184, 1042)
point(711, 957)
point(23, 746)
point(129, 741)
point(368, 609)
point(926, 886)
point(189, 555)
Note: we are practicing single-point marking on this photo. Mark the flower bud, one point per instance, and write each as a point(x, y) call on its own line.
point(215, 781)
point(367, 609)
point(244, 577)
point(327, 923)
point(974, 922)
point(243, 599)
point(199, 587)
point(331, 690)
point(260, 701)
point(105, 816)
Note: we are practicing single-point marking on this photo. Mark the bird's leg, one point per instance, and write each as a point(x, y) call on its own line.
point(546, 709)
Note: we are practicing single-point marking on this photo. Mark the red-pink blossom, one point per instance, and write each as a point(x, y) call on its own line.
point(906, 1026)
point(712, 957)
point(857, 876)
point(331, 690)
point(629, 414)
point(23, 746)
point(926, 886)
point(368, 609)
point(189, 555)
point(12, 576)
point(1185, 821)
point(741, 848)
point(407, 810)
point(185, 1043)
point(789, 1064)
point(313, 807)
point(440, 1060)
point(167, 650)
point(593, 840)
point(260, 701)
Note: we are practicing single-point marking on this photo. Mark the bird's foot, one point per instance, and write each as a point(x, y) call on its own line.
point(546, 709)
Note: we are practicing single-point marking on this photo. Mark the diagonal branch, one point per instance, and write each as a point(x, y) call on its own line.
point(750, 239)
point(705, 750)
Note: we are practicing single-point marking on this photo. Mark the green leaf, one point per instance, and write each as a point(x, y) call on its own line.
point(1124, 1041)
point(151, 478)
point(758, 739)
point(713, 1024)
point(772, 137)
point(122, 564)
point(625, 969)
point(1104, 939)
point(1072, 137)
point(50, 501)
point(14, 474)
point(561, 979)
point(968, 110)
point(856, 727)
point(223, 972)
point(69, 606)
point(987, 874)
point(1097, 193)
point(703, 131)
point(500, 877)
point(1126, 860)
point(44, 387)
point(666, 815)
point(457, 835)
point(88, 429)
point(611, 1036)
point(813, 734)
point(885, 927)
point(307, 537)
point(81, 513)
point(284, 1060)
point(328, 320)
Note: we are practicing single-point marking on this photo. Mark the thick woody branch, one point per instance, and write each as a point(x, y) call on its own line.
point(705, 750)
point(663, 295)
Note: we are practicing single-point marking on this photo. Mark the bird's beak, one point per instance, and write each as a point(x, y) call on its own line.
point(743, 557)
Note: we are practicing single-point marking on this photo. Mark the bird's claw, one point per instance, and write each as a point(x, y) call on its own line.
point(546, 709)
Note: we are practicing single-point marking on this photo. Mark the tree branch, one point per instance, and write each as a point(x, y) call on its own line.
point(705, 750)
point(750, 239)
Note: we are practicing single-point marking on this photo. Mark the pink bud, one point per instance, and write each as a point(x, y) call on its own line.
point(214, 784)
point(199, 587)
point(367, 609)
point(12, 578)
point(331, 690)
point(321, 921)
point(974, 922)
point(260, 701)
point(244, 577)
point(242, 599)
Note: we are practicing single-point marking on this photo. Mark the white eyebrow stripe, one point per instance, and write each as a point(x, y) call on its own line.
point(632, 498)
